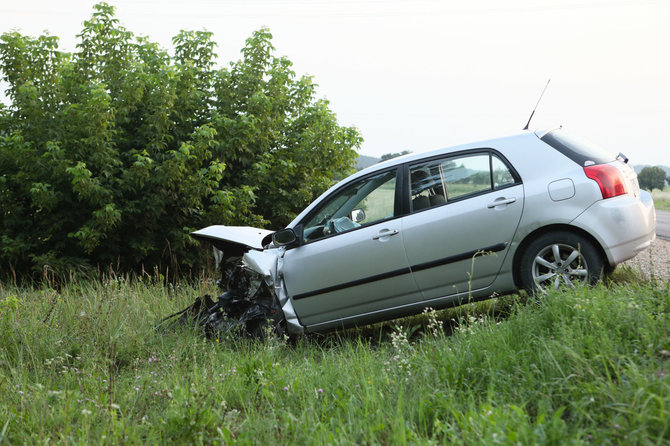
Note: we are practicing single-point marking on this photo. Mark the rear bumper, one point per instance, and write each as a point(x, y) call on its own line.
point(623, 225)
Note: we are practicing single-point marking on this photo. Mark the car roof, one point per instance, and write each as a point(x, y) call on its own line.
point(486, 143)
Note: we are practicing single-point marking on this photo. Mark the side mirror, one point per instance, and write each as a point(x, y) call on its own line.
point(284, 237)
point(357, 215)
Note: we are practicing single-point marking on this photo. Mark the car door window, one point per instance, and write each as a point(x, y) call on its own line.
point(361, 203)
point(502, 175)
point(467, 175)
point(440, 181)
point(427, 185)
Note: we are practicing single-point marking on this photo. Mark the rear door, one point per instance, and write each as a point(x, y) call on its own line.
point(465, 210)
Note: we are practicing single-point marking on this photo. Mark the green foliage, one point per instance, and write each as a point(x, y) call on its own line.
point(661, 199)
point(113, 153)
point(388, 156)
point(587, 366)
point(651, 178)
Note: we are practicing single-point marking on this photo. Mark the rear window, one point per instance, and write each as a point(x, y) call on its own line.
point(578, 149)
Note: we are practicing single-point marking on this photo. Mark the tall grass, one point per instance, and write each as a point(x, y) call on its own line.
point(580, 367)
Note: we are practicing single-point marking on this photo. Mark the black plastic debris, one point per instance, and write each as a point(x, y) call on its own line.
point(249, 307)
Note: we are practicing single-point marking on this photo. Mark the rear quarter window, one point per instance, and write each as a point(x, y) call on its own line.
point(578, 149)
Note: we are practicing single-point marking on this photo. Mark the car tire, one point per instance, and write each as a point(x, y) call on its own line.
point(560, 259)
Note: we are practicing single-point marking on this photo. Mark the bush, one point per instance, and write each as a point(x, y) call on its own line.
point(110, 155)
point(651, 178)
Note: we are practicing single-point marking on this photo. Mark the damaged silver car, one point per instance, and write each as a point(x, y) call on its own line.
point(534, 211)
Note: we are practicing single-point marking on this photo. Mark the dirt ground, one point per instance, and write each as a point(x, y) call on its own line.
point(653, 261)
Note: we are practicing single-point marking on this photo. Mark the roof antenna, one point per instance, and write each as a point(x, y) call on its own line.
point(538, 103)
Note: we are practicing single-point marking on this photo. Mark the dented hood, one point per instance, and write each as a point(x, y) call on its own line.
point(232, 240)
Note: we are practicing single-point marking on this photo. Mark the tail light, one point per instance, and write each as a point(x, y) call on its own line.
point(609, 178)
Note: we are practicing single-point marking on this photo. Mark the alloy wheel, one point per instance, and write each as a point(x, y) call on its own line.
point(559, 264)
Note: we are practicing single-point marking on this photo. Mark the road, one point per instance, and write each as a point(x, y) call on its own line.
point(663, 224)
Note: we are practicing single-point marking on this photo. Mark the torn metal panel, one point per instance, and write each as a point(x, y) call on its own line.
point(263, 262)
point(293, 325)
point(269, 263)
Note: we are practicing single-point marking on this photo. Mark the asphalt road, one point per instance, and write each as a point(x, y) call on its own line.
point(663, 224)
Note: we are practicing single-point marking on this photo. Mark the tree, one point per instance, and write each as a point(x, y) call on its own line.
point(114, 153)
point(651, 178)
point(388, 156)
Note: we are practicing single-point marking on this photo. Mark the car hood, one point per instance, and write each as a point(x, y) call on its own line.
point(247, 243)
point(233, 240)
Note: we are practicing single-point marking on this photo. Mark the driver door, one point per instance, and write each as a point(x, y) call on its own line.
point(348, 269)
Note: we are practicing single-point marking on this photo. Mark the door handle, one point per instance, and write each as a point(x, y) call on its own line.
point(500, 202)
point(385, 233)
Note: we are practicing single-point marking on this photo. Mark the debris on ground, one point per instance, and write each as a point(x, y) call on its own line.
point(248, 307)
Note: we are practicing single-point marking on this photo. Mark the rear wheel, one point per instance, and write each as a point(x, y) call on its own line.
point(560, 259)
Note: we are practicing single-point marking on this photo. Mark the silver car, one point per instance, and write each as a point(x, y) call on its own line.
point(534, 211)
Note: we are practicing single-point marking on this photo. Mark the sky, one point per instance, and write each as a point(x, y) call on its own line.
point(423, 74)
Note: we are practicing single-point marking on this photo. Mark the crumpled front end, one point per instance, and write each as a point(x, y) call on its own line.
point(254, 300)
point(269, 263)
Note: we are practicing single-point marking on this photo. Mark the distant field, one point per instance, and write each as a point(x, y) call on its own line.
point(583, 367)
point(661, 199)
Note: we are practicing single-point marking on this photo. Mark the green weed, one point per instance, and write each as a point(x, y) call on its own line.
point(661, 199)
point(581, 366)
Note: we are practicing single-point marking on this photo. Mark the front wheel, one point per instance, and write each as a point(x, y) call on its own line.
point(560, 259)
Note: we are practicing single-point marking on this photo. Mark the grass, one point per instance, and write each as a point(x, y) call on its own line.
point(581, 367)
point(661, 199)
